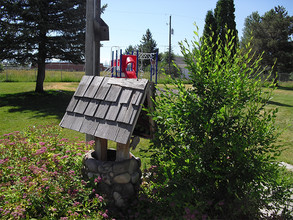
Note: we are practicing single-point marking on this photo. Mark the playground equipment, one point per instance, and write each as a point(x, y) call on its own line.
point(127, 66)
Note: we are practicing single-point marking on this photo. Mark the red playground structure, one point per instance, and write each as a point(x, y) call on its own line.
point(128, 67)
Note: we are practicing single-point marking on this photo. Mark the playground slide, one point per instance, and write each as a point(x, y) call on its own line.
point(129, 62)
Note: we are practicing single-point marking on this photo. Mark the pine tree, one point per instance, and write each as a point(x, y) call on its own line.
point(218, 24)
point(210, 29)
point(33, 31)
point(250, 25)
point(225, 19)
point(148, 45)
point(271, 34)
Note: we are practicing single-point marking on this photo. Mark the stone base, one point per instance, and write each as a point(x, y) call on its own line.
point(120, 180)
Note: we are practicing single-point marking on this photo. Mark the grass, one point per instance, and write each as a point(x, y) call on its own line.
point(30, 75)
point(20, 107)
point(27, 189)
point(283, 100)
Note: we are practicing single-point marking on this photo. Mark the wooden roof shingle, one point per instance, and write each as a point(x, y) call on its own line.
point(106, 107)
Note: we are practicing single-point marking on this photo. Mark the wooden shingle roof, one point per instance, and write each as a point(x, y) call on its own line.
point(106, 107)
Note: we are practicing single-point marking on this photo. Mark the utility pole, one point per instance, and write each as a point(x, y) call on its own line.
point(170, 32)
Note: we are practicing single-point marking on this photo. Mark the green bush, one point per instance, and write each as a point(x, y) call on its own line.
point(40, 177)
point(215, 143)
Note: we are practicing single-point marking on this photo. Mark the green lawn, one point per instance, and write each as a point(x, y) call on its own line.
point(283, 100)
point(20, 107)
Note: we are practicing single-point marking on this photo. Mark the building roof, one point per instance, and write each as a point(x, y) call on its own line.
point(106, 107)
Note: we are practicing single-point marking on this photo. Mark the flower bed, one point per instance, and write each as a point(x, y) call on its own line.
point(40, 177)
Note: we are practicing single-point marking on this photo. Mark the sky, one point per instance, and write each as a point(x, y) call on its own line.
point(128, 20)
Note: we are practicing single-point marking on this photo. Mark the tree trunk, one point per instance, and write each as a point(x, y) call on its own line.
point(42, 50)
point(41, 63)
point(40, 77)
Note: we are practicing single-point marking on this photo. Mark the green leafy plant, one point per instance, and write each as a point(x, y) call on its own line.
point(215, 143)
point(40, 177)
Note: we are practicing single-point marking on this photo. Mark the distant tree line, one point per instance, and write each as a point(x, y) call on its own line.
point(269, 35)
point(32, 32)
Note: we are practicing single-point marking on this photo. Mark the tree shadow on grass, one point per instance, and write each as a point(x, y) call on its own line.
point(285, 88)
point(49, 103)
point(279, 104)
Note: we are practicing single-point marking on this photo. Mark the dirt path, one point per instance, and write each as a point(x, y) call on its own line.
point(70, 86)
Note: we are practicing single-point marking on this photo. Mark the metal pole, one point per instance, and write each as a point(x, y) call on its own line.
point(120, 63)
point(151, 72)
point(170, 29)
point(137, 63)
point(112, 63)
point(116, 63)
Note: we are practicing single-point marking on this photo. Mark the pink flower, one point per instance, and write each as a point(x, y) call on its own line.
point(105, 215)
point(76, 204)
point(42, 143)
point(64, 139)
point(91, 142)
point(24, 158)
point(97, 180)
point(10, 168)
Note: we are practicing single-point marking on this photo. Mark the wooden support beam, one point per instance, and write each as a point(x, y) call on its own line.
point(150, 97)
point(100, 148)
point(122, 152)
